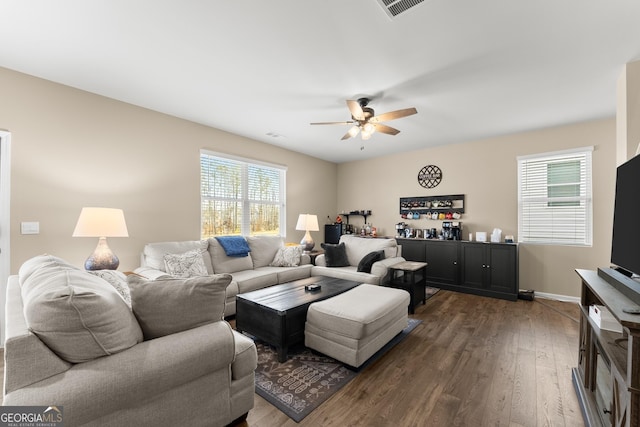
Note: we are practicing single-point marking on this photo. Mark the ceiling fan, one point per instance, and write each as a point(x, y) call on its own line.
point(365, 121)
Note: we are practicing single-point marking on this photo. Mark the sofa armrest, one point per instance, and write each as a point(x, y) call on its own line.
point(305, 259)
point(381, 268)
point(27, 360)
point(246, 359)
point(151, 273)
point(321, 261)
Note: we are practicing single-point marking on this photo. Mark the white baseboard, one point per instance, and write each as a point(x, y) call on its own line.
point(556, 297)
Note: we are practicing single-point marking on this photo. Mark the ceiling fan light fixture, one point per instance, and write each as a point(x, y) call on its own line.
point(368, 128)
point(354, 131)
point(365, 135)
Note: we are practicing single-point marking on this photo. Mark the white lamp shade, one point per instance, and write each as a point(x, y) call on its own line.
point(101, 222)
point(307, 222)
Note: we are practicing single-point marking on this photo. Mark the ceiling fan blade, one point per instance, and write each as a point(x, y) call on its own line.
point(356, 109)
point(332, 123)
point(392, 115)
point(385, 129)
point(346, 136)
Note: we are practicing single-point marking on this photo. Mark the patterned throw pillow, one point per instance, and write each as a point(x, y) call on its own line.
point(188, 264)
point(287, 256)
point(116, 279)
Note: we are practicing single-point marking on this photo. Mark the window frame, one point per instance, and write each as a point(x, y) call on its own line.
point(245, 163)
point(558, 208)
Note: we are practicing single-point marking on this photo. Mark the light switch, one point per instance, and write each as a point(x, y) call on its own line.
point(30, 227)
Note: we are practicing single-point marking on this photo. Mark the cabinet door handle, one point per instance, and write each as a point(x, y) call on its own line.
point(484, 266)
point(455, 262)
point(488, 266)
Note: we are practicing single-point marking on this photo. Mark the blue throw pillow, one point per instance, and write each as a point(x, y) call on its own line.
point(368, 260)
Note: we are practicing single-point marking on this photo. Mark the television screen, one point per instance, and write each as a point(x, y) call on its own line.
point(625, 245)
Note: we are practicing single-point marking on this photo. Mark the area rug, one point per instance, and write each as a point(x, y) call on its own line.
point(430, 291)
point(307, 379)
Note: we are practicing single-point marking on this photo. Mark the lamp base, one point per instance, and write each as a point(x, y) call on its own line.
point(307, 242)
point(102, 258)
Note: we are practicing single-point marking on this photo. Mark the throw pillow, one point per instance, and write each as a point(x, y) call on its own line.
point(79, 316)
point(369, 259)
point(188, 264)
point(335, 255)
point(167, 306)
point(288, 256)
point(118, 280)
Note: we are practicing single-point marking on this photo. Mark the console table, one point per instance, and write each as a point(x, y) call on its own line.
point(607, 378)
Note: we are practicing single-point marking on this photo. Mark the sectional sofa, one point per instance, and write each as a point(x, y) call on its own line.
point(110, 354)
point(265, 265)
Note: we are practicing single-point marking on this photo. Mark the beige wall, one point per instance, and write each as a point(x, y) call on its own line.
point(72, 149)
point(486, 172)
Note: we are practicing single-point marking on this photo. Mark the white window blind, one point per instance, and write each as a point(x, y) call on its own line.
point(554, 198)
point(240, 196)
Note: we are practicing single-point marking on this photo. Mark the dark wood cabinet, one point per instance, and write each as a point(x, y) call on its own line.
point(413, 250)
point(491, 269)
point(443, 263)
point(488, 269)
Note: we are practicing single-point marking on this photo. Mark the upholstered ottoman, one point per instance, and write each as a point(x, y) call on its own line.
point(353, 326)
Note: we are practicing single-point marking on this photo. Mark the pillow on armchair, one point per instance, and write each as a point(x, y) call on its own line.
point(335, 255)
point(369, 259)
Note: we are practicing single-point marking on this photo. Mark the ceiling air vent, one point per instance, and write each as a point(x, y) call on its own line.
point(394, 8)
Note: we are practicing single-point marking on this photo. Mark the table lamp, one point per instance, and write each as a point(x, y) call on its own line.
point(307, 222)
point(101, 223)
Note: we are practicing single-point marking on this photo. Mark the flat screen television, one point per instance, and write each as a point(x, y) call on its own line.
point(625, 244)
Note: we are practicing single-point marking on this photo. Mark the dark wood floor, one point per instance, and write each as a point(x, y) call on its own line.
point(474, 361)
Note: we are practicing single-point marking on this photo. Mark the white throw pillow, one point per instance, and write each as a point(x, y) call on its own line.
point(287, 256)
point(188, 264)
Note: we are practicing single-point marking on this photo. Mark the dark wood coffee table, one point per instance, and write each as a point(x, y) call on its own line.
point(276, 315)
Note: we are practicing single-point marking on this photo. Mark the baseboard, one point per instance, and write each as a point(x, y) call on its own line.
point(556, 297)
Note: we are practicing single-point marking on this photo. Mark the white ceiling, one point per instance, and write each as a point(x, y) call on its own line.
point(473, 69)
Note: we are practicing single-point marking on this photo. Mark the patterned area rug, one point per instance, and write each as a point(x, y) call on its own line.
point(307, 379)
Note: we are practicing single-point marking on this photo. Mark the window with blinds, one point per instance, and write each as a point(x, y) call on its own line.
point(240, 196)
point(554, 198)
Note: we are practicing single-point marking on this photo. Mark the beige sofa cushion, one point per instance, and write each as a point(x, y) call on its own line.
point(264, 249)
point(227, 264)
point(79, 316)
point(167, 306)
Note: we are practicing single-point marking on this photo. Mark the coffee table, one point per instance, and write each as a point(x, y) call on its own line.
point(277, 314)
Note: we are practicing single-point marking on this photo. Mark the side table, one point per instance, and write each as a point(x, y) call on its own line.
point(412, 280)
point(314, 254)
